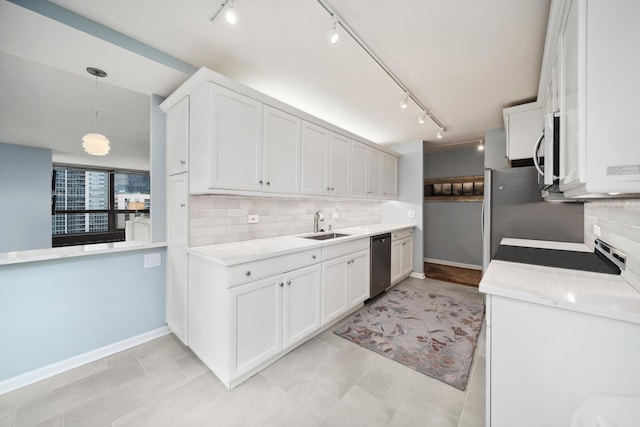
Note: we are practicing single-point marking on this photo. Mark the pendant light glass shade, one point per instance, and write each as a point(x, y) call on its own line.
point(95, 143)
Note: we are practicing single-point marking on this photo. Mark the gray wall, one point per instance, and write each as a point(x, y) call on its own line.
point(25, 185)
point(410, 195)
point(452, 230)
point(495, 149)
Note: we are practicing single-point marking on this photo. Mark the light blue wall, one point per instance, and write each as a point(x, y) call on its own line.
point(410, 195)
point(495, 149)
point(453, 229)
point(53, 310)
point(25, 185)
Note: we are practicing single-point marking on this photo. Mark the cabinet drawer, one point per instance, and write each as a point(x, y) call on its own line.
point(397, 235)
point(243, 273)
point(334, 251)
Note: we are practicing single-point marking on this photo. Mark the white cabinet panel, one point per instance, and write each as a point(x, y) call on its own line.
point(523, 126)
point(401, 255)
point(281, 152)
point(178, 138)
point(339, 164)
point(255, 313)
point(236, 140)
point(389, 176)
point(396, 261)
point(358, 278)
point(334, 289)
point(301, 303)
point(374, 173)
point(177, 263)
point(315, 159)
point(407, 256)
point(358, 169)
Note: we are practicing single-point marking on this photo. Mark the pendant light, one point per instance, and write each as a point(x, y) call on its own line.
point(96, 143)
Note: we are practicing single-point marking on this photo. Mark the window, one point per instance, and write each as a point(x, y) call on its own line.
point(92, 206)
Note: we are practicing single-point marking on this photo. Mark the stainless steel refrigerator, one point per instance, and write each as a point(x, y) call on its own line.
point(513, 207)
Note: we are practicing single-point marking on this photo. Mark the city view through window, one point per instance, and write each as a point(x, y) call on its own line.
point(97, 201)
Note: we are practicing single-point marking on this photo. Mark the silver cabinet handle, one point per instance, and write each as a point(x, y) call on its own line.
point(352, 261)
point(182, 162)
point(260, 182)
point(288, 282)
point(247, 273)
point(313, 257)
point(281, 284)
point(268, 183)
point(328, 188)
point(404, 243)
point(332, 189)
point(182, 205)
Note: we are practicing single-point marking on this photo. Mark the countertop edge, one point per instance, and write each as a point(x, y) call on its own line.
point(65, 252)
point(355, 233)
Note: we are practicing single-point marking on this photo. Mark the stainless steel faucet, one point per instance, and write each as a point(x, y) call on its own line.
point(316, 218)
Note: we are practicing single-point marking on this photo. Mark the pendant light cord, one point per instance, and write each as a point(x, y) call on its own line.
point(95, 103)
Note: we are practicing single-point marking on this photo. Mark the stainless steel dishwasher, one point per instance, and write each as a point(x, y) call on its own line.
point(380, 264)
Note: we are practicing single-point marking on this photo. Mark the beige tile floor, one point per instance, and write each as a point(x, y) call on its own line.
point(326, 382)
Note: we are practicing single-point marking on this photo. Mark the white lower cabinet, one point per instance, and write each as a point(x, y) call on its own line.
point(177, 265)
point(345, 278)
point(401, 255)
point(239, 324)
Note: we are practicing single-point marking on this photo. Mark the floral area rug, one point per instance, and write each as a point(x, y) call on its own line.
point(431, 333)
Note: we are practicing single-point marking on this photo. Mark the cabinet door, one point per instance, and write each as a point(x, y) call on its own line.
point(178, 138)
point(255, 334)
point(570, 93)
point(339, 164)
point(358, 169)
point(281, 152)
point(374, 173)
point(301, 303)
point(523, 125)
point(315, 159)
point(177, 263)
point(359, 283)
point(396, 261)
point(235, 129)
point(389, 176)
point(407, 256)
point(334, 289)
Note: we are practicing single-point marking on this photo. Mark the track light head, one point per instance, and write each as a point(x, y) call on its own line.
point(404, 103)
point(334, 35)
point(230, 14)
point(421, 118)
point(440, 134)
point(481, 146)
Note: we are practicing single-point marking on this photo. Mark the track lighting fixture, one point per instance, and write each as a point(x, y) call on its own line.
point(96, 143)
point(405, 101)
point(440, 133)
point(230, 14)
point(421, 118)
point(481, 146)
point(334, 35)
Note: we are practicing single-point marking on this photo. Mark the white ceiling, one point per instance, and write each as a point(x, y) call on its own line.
point(463, 59)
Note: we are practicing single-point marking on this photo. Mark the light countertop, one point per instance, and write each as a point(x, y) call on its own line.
point(599, 294)
point(18, 257)
point(227, 254)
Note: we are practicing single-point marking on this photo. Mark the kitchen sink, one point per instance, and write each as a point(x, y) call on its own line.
point(324, 236)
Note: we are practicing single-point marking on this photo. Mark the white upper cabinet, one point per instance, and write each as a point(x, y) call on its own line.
point(389, 176)
point(178, 138)
point(236, 140)
point(358, 169)
point(590, 56)
point(523, 126)
point(281, 152)
point(374, 173)
point(339, 165)
point(315, 159)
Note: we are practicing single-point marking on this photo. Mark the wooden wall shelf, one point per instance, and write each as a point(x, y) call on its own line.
point(454, 189)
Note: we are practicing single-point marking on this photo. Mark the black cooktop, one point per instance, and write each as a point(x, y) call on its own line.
point(572, 260)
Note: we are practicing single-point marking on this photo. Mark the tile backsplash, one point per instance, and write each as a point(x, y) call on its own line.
point(219, 219)
point(619, 222)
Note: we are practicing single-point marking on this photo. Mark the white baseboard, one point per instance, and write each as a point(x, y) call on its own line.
point(453, 263)
point(417, 275)
point(48, 371)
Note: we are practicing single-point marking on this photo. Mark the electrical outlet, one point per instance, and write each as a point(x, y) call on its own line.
point(412, 213)
point(597, 230)
point(334, 215)
point(152, 260)
point(253, 219)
